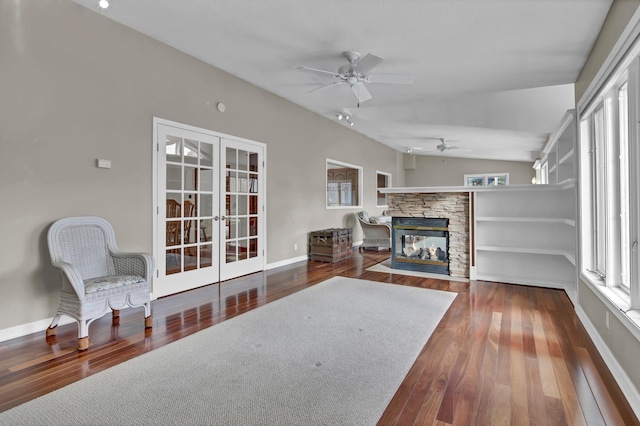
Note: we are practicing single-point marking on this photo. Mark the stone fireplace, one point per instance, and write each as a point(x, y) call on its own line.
point(420, 244)
point(453, 206)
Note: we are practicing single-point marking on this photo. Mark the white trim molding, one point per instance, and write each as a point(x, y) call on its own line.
point(30, 328)
point(621, 377)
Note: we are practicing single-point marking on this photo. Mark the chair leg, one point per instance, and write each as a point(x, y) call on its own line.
point(51, 331)
point(115, 317)
point(83, 343)
point(148, 322)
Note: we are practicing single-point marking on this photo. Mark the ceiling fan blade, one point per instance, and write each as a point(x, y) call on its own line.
point(361, 92)
point(332, 73)
point(326, 86)
point(367, 63)
point(389, 79)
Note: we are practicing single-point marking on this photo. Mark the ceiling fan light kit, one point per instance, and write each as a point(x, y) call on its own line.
point(355, 74)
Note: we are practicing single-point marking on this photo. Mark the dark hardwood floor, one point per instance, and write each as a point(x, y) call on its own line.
point(502, 354)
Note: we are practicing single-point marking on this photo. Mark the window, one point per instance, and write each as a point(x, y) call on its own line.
point(607, 186)
point(344, 185)
point(383, 180)
point(486, 179)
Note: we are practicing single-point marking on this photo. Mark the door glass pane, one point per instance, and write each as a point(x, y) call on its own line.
point(174, 234)
point(206, 205)
point(206, 179)
point(242, 227)
point(253, 162)
point(190, 233)
point(173, 204)
point(242, 249)
point(189, 178)
point(233, 205)
point(174, 177)
point(174, 261)
point(231, 226)
point(174, 148)
point(253, 226)
point(231, 252)
point(205, 255)
point(253, 204)
point(189, 206)
point(243, 183)
point(190, 151)
point(206, 154)
point(253, 247)
point(243, 160)
point(253, 183)
point(231, 158)
point(190, 258)
point(206, 230)
point(242, 204)
point(232, 182)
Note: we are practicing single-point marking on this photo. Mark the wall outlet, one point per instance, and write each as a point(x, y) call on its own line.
point(295, 246)
point(606, 319)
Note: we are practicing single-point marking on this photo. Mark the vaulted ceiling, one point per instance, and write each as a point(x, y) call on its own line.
point(493, 77)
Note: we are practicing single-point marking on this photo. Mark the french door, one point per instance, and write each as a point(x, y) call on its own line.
point(209, 218)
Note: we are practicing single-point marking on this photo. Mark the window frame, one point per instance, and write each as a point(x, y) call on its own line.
point(378, 187)
point(485, 178)
point(610, 261)
point(340, 191)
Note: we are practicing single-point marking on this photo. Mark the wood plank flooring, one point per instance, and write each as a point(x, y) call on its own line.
point(502, 354)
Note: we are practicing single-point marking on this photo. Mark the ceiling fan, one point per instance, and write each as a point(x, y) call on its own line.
point(355, 74)
point(442, 147)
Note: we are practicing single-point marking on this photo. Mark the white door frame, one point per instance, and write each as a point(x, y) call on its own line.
point(262, 227)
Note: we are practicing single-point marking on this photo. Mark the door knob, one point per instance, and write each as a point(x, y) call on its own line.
point(223, 217)
point(216, 218)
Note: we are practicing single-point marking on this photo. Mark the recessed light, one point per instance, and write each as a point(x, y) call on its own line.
point(103, 4)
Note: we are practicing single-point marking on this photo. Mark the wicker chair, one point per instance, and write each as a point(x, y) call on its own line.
point(375, 235)
point(96, 276)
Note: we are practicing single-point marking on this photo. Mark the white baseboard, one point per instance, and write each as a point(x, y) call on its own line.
point(32, 327)
point(286, 262)
point(621, 377)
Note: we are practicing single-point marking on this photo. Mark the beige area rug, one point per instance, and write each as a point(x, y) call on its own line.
point(386, 268)
point(332, 354)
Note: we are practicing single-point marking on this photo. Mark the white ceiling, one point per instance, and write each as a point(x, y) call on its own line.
point(492, 76)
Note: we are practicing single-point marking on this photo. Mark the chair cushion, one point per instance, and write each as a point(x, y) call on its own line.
point(111, 281)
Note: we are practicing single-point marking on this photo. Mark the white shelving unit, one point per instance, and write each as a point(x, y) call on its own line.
point(558, 152)
point(527, 236)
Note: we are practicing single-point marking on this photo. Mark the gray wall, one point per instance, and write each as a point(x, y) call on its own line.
point(450, 171)
point(618, 17)
point(76, 87)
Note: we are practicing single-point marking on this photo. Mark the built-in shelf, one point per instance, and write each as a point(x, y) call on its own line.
point(566, 221)
point(529, 250)
point(524, 237)
point(558, 154)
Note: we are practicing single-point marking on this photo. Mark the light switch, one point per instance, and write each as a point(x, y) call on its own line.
point(103, 164)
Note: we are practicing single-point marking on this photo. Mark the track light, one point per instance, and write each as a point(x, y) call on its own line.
point(346, 117)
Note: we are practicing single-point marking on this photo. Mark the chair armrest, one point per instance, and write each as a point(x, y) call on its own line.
point(140, 264)
point(73, 276)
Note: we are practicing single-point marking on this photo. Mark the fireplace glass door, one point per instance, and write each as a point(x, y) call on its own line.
point(421, 244)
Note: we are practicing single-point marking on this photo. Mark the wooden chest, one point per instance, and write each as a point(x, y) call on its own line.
point(331, 245)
